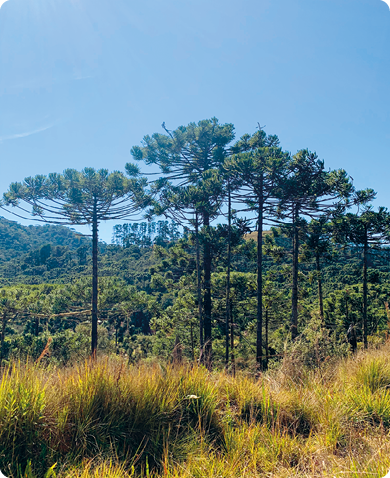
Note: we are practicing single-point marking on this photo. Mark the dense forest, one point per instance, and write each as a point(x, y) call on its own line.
point(247, 251)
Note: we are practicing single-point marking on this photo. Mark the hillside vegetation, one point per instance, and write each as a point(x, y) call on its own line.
point(147, 297)
point(109, 419)
point(57, 254)
point(16, 239)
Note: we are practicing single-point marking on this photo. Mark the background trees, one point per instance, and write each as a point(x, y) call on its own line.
point(317, 246)
point(145, 234)
point(367, 229)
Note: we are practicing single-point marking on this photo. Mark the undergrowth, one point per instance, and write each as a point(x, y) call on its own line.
point(108, 419)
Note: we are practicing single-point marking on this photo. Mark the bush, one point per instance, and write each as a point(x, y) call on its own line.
point(315, 347)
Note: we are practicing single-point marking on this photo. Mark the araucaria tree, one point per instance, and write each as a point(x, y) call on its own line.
point(185, 205)
point(367, 229)
point(80, 198)
point(309, 192)
point(184, 156)
point(258, 172)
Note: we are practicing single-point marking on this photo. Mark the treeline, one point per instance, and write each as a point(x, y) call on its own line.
point(206, 175)
point(145, 234)
point(54, 262)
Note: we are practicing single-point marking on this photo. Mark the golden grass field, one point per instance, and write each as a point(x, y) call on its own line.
point(108, 419)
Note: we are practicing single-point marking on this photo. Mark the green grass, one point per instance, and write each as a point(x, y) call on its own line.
point(108, 419)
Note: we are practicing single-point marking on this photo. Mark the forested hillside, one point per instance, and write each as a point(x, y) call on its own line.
point(16, 239)
point(55, 259)
point(148, 293)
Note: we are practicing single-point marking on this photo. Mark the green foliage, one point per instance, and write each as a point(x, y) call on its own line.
point(145, 234)
point(16, 239)
point(314, 347)
point(158, 291)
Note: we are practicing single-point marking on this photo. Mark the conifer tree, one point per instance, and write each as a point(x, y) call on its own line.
point(186, 204)
point(308, 192)
point(258, 169)
point(184, 156)
point(84, 198)
point(367, 229)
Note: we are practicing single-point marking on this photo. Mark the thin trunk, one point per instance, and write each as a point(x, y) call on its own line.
point(259, 334)
point(294, 298)
point(177, 351)
point(192, 343)
point(4, 323)
point(229, 254)
point(365, 258)
point(266, 338)
point(319, 281)
point(208, 348)
point(36, 326)
point(199, 288)
point(94, 281)
point(232, 358)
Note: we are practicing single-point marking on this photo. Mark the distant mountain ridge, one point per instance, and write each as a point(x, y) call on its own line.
point(58, 254)
point(16, 238)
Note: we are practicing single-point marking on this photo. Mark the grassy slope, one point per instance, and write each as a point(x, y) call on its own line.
point(109, 420)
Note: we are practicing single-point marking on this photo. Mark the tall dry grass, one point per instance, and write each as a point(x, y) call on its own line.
point(108, 419)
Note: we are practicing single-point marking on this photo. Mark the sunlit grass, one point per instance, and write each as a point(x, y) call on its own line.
point(109, 420)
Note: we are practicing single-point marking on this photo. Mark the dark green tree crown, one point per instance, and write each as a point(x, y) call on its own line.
point(71, 197)
point(188, 151)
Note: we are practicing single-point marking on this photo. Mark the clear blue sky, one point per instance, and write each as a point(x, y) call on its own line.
point(81, 81)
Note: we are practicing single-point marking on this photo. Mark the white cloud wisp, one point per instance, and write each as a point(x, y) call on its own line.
point(27, 133)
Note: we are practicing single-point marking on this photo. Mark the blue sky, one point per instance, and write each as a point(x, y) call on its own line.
point(81, 81)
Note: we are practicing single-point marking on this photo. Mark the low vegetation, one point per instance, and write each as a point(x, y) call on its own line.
point(111, 419)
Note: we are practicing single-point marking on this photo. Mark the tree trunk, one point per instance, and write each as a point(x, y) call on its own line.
point(365, 258)
point(177, 352)
point(319, 281)
point(94, 281)
point(229, 253)
point(259, 332)
point(4, 324)
point(192, 343)
point(199, 288)
point(266, 338)
point(208, 348)
point(294, 298)
point(36, 326)
point(233, 360)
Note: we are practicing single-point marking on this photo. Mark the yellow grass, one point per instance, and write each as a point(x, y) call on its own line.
point(112, 420)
